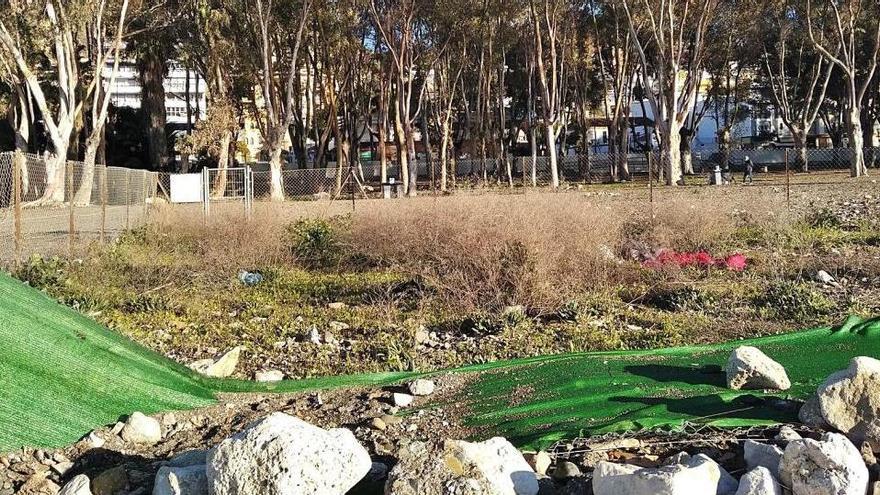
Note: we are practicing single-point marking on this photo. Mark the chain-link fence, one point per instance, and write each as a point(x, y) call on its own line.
point(60, 207)
point(51, 206)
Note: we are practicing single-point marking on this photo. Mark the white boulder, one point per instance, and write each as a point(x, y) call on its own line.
point(283, 455)
point(698, 474)
point(190, 480)
point(493, 467)
point(222, 367)
point(421, 387)
point(269, 376)
point(749, 368)
point(762, 455)
point(79, 485)
point(830, 466)
point(849, 401)
point(759, 481)
point(141, 429)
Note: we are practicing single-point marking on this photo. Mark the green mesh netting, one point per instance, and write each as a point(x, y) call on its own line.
point(535, 402)
point(61, 375)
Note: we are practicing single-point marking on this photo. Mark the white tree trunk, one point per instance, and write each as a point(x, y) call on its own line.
point(554, 159)
point(276, 184)
point(672, 156)
point(857, 142)
point(444, 156)
point(83, 195)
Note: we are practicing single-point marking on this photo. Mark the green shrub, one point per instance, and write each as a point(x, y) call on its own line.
point(41, 273)
point(314, 242)
point(680, 299)
point(823, 218)
point(789, 300)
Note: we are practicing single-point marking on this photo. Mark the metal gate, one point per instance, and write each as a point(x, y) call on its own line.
point(228, 185)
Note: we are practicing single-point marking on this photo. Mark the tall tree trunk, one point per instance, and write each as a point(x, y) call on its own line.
point(412, 190)
point(153, 69)
point(672, 155)
point(400, 141)
point(554, 160)
point(220, 182)
point(857, 143)
point(276, 182)
point(800, 140)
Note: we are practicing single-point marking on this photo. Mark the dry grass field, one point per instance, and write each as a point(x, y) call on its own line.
point(442, 281)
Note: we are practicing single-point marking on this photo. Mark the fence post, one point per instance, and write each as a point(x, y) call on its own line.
point(104, 204)
point(145, 188)
point(127, 197)
point(787, 181)
point(16, 203)
point(71, 227)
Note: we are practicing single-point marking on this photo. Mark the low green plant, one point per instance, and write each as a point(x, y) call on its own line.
point(794, 301)
point(314, 242)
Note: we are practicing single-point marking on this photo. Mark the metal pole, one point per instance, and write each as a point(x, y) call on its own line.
point(103, 204)
point(127, 197)
point(71, 227)
point(16, 200)
point(787, 182)
point(145, 188)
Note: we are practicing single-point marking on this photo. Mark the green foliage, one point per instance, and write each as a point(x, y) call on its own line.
point(793, 301)
point(314, 242)
point(823, 218)
point(42, 273)
point(680, 299)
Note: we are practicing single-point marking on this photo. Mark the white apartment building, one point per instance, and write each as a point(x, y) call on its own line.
point(126, 91)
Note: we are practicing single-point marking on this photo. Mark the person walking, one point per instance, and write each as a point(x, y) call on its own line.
point(749, 170)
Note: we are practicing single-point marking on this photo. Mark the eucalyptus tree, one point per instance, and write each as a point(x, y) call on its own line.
point(618, 68)
point(797, 76)
point(273, 38)
point(847, 34)
point(43, 42)
point(670, 39)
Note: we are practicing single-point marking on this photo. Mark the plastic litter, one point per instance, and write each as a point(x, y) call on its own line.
point(250, 278)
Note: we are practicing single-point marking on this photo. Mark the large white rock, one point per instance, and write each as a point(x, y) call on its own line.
point(762, 455)
point(493, 467)
point(749, 368)
point(190, 480)
point(141, 429)
point(79, 485)
point(830, 466)
point(283, 455)
point(421, 387)
point(696, 475)
point(759, 481)
point(849, 401)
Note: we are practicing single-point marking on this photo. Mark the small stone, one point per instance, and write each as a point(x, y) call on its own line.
point(540, 462)
point(421, 387)
point(79, 485)
point(62, 467)
point(402, 400)
point(223, 367)
point(422, 335)
point(824, 277)
point(565, 470)
point(110, 482)
point(338, 326)
point(337, 305)
point(390, 420)
point(378, 424)
point(141, 429)
point(269, 376)
point(314, 336)
point(787, 434)
point(117, 428)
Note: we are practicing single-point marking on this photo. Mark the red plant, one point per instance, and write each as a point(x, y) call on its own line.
point(735, 262)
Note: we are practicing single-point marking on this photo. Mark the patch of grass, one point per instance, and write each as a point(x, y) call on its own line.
point(793, 301)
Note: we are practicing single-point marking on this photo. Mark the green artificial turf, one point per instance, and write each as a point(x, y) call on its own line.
point(62, 375)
